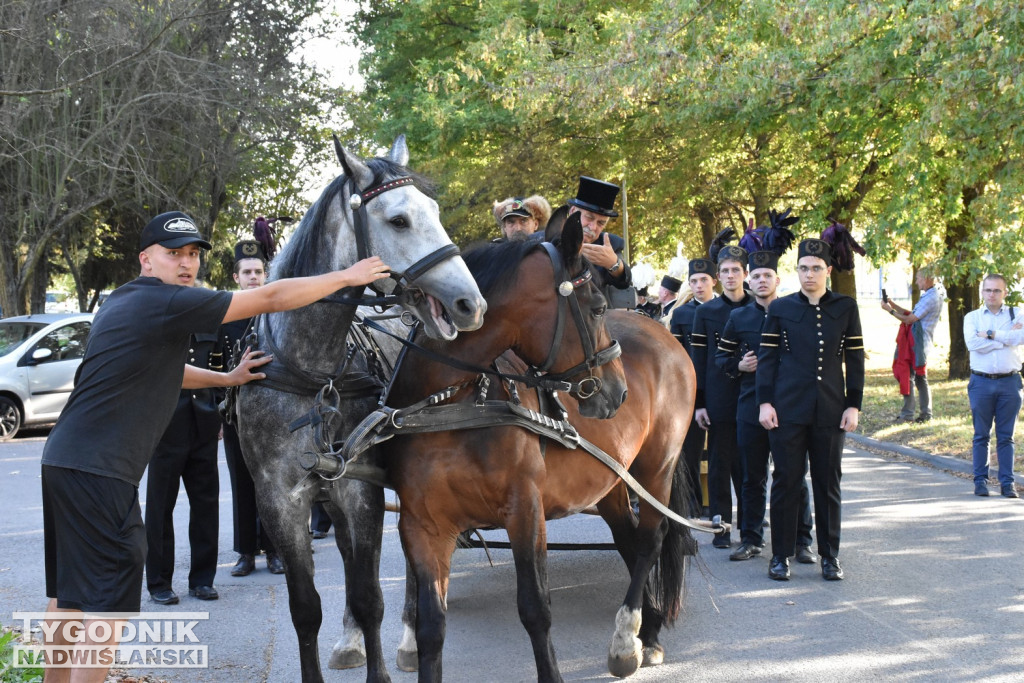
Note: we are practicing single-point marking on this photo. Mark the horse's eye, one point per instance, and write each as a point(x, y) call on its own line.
point(600, 311)
point(399, 222)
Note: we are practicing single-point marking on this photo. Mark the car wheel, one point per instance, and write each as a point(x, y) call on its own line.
point(10, 418)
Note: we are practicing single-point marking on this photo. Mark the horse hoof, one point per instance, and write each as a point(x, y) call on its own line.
point(653, 656)
point(621, 667)
point(408, 660)
point(347, 659)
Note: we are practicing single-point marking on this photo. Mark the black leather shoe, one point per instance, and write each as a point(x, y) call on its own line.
point(204, 592)
point(830, 569)
point(980, 488)
point(246, 563)
point(164, 597)
point(805, 555)
point(779, 568)
point(722, 540)
point(274, 564)
point(923, 418)
point(1009, 491)
point(745, 552)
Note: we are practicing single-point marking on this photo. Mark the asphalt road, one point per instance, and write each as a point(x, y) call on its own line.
point(934, 591)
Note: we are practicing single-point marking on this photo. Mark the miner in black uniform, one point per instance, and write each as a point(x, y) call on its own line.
point(737, 357)
point(717, 393)
point(702, 285)
point(808, 404)
point(250, 271)
point(187, 453)
point(595, 202)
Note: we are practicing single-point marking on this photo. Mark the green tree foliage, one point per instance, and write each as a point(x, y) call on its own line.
point(900, 119)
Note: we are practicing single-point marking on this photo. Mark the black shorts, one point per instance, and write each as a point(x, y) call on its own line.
point(95, 541)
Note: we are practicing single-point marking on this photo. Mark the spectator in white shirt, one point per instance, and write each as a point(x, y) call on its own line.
point(994, 334)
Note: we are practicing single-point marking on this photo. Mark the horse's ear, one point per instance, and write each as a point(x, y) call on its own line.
point(571, 244)
point(353, 166)
point(399, 151)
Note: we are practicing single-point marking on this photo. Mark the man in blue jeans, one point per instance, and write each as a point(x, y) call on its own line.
point(994, 334)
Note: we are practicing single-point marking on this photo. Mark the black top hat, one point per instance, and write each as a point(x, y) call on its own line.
point(763, 259)
point(171, 230)
point(596, 196)
point(250, 249)
point(702, 265)
point(731, 251)
point(671, 284)
point(815, 247)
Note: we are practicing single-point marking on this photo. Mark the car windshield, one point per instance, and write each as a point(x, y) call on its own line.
point(14, 333)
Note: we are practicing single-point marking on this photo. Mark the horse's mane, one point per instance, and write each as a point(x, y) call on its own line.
point(300, 256)
point(494, 264)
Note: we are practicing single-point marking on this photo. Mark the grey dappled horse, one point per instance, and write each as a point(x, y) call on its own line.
point(309, 345)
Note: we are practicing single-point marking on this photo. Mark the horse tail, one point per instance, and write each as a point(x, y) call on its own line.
point(668, 579)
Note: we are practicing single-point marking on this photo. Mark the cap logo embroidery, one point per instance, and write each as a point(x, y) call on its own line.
point(700, 267)
point(813, 247)
point(761, 259)
point(180, 225)
point(250, 249)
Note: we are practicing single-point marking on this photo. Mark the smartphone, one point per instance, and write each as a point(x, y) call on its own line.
point(885, 297)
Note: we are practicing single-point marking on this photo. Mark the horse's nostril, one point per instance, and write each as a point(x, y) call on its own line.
point(466, 307)
point(624, 392)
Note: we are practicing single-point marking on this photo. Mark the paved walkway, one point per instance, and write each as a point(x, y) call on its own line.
point(934, 592)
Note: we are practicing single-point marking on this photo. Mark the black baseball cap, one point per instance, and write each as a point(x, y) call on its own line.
point(171, 230)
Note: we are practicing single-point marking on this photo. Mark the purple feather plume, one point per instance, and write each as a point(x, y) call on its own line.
point(752, 239)
point(265, 236)
point(843, 246)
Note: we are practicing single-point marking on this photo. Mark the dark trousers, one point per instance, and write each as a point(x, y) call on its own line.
point(998, 401)
point(319, 520)
point(793, 446)
point(192, 461)
point(250, 537)
point(693, 453)
point(725, 472)
point(755, 451)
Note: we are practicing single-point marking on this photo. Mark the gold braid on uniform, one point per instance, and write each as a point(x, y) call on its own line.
point(770, 339)
point(858, 340)
point(703, 340)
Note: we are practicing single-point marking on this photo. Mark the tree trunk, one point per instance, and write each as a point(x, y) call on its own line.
point(962, 292)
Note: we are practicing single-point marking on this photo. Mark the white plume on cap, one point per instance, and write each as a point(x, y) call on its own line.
point(679, 266)
point(644, 275)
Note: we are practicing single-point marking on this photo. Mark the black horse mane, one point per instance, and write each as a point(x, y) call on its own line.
point(494, 264)
point(309, 241)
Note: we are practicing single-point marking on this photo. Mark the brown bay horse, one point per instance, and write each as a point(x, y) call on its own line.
point(451, 481)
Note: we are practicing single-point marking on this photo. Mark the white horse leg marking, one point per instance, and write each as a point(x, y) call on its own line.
point(408, 657)
point(626, 650)
point(349, 652)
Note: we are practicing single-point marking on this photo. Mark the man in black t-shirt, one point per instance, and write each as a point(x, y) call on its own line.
point(126, 391)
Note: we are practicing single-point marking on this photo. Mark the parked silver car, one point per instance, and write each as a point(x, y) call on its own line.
point(39, 355)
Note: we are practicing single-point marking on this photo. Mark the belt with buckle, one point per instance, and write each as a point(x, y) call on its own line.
point(989, 375)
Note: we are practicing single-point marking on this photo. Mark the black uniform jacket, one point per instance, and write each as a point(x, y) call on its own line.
point(742, 333)
point(682, 324)
point(800, 362)
point(204, 351)
point(716, 391)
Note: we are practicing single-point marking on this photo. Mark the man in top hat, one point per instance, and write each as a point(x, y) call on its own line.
point(595, 202)
point(128, 387)
point(808, 403)
point(522, 218)
point(717, 393)
point(250, 272)
point(702, 285)
point(737, 358)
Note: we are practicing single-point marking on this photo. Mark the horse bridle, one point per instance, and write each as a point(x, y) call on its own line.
point(396, 281)
point(566, 288)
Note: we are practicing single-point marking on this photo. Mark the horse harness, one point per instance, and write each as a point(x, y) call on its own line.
point(341, 459)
